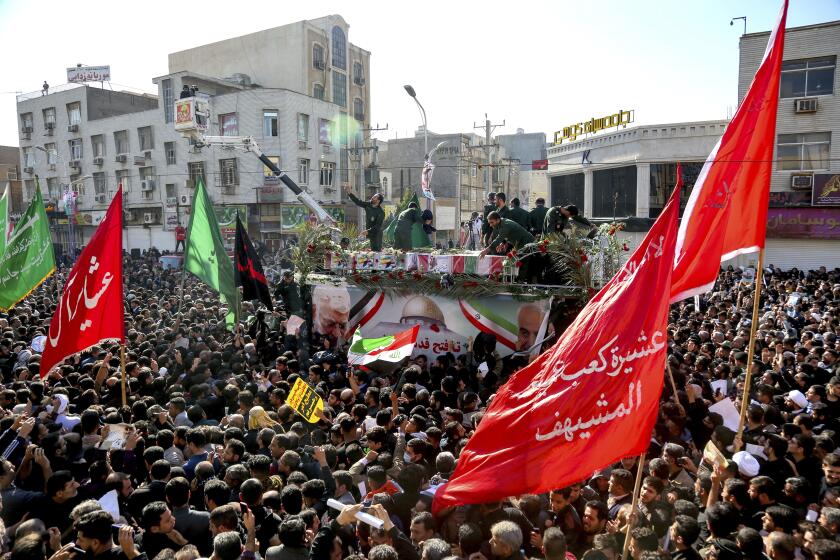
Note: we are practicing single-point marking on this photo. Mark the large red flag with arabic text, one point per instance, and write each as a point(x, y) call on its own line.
point(590, 400)
point(726, 214)
point(91, 308)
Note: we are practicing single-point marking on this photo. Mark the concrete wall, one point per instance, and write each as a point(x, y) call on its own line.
point(104, 103)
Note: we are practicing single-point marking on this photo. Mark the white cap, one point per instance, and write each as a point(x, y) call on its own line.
point(798, 398)
point(747, 464)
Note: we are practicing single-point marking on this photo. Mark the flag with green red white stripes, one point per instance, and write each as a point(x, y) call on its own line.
point(382, 355)
point(489, 321)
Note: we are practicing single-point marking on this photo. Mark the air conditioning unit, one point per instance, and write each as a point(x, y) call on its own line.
point(148, 185)
point(228, 189)
point(98, 161)
point(26, 129)
point(189, 184)
point(26, 136)
point(139, 160)
point(12, 176)
point(329, 189)
point(320, 64)
point(326, 148)
point(802, 182)
point(172, 200)
point(301, 144)
point(185, 199)
point(148, 218)
point(101, 198)
point(73, 128)
point(359, 81)
point(130, 216)
point(76, 164)
point(52, 167)
point(121, 158)
point(49, 125)
point(29, 170)
point(147, 154)
point(49, 131)
point(805, 105)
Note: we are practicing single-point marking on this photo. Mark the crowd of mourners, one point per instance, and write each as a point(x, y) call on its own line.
point(211, 462)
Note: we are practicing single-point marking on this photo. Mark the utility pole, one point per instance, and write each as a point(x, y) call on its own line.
point(488, 133)
point(359, 152)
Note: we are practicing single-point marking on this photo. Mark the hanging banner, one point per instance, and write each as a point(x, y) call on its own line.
point(826, 190)
point(292, 217)
point(446, 324)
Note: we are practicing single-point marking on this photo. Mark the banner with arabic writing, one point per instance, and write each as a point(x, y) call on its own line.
point(590, 400)
point(446, 324)
point(28, 259)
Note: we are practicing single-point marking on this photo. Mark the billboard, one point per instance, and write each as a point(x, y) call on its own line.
point(81, 74)
point(803, 223)
point(826, 190)
point(446, 324)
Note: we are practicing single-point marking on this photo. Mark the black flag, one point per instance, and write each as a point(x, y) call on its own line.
point(248, 271)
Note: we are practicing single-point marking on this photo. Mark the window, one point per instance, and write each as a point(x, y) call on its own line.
point(269, 123)
point(303, 171)
point(196, 173)
point(324, 131)
point(52, 153)
point(327, 172)
point(146, 140)
point(100, 183)
point(613, 192)
point(76, 148)
point(268, 175)
point(302, 127)
point(803, 152)
point(339, 89)
point(663, 177)
point(227, 173)
point(29, 157)
point(169, 148)
point(812, 76)
point(567, 189)
point(339, 48)
point(318, 56)
point(147, 173)
point(270, 210)
point(358, 109)
point(124, 179)
point(170, 191)
point(318, 91)
point(74, 113)
point(121, 142)
point(49, 117)
point(358, 74)
point(53, 188)
point(29, 188)
point(168, 101)
point(78, 185)
point(26, 122)
point(98, 144)
point(228, 125)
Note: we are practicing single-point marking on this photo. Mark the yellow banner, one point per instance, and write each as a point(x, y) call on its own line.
point(305, 401)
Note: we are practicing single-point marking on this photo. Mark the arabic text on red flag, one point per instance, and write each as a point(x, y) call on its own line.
point(726, 214)
point(91, 307)
point(590, 400)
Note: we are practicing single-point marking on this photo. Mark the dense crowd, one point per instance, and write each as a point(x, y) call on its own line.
point(211, 462)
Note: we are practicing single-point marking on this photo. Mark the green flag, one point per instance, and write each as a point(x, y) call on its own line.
point(418, 236)
point(205, 254)
point(4, 219)
point(28, 259)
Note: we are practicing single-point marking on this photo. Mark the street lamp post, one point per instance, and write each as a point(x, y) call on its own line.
point(413, 94)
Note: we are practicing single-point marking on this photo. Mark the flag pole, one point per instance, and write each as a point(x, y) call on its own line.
point(639, 472)
point(745, 398)
point(673, 384)
point(122, 373)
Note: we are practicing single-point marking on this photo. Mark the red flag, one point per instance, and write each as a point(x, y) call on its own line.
point(91, 307)
point(590, 400)
point(726, 214)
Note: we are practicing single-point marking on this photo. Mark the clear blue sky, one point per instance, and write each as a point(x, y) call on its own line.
point(539, 65)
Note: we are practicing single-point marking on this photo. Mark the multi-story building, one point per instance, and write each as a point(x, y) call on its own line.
point(458, 181)
point(95, 139)
point(529, 148)
point(803, 227)
point(10, 177)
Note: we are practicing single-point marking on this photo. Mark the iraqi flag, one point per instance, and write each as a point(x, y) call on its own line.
point(726, 214)
point(382, 355)
point(248, 272)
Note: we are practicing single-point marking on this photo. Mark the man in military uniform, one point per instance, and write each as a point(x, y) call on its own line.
point(489, 207)
point(374, 217)
point(519, 214)
point(405, 223)
point(536, 218)
point(508, 235)
point(558, 217)
point(501, 209)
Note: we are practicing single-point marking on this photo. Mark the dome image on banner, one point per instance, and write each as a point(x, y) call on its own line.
point(434, 336)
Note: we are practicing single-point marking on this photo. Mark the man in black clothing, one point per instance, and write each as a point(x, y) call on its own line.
point(94, 536)
point(489, 207)
point(268, 523)
point(536, 217)
point(374, 217)
point(159, 530)
point(154, 491)
point(684, 532)
point(194, 525)
point(519, 214)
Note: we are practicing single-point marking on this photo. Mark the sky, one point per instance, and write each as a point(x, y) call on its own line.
point(533, 64)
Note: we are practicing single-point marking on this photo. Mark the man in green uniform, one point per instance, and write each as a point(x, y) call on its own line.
point(536, 218)
point(405, 222)
point(519, 214)
point(501, 209)
point(558, 217)
point(374, 217)
point(489, 207)
point(506, 231)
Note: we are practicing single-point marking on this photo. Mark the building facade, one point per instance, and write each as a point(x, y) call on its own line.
point(803, 227)
point(529, 148)
point(10, 178)
point(96, 139)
